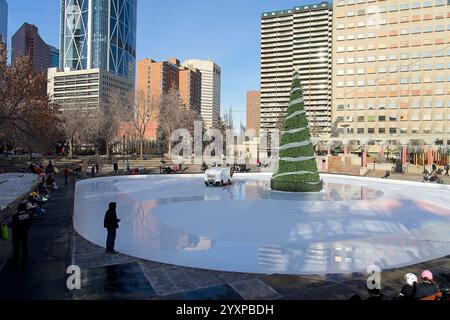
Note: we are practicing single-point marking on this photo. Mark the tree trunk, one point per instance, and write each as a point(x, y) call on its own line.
point(70, 149)
point(141, 147)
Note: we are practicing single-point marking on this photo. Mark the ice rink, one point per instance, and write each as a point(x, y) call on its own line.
point(352, 224)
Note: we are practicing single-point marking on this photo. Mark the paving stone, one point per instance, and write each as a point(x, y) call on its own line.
point(223, 292)
point(255, 290)
point(124, 281)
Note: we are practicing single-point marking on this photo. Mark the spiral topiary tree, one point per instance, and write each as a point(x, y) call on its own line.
point(297, 169)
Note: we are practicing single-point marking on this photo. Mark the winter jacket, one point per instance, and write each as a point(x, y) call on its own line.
point(111, 221)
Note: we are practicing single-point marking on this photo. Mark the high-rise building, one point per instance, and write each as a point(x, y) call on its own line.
point(211, 88)
point(27, 42)
point(54, 57)
point(99, 34)
point(297, 39)
point(97, 51)
point(254, 111)
point(3, 22)
point(390, 70)
point(190, 87)
point(154, 79)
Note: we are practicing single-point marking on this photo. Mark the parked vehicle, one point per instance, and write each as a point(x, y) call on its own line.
point(218, 176)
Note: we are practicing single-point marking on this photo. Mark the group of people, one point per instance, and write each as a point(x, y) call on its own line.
point(433, 175)
point(32, 207)
point(414, 288)
point(425, 289)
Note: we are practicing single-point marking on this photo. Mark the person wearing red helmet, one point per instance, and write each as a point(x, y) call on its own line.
point(427, 287)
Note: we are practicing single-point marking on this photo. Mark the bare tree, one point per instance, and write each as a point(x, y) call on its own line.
point(173, 115)
point(80, 125)
point(145, 111)
point(113, 114)
point(24, 105)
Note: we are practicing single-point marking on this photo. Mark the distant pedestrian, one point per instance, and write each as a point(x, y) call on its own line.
point(128, 167)
point(446, 168)
point(97, 169)
point(434, 167)
point(20, 224)
point(116, 168)
point(93, 171)
point(66, 174)
point(111, 224)
point(50, 168)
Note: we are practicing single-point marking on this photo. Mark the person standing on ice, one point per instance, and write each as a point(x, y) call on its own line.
point(111, 223)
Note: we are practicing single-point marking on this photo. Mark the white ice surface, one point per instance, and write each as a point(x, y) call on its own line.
point(13, 186)
point(355, 223)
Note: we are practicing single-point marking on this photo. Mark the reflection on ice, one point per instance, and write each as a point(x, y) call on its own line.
point(246, 227)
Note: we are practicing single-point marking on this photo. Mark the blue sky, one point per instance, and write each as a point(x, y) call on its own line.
point(226, 31)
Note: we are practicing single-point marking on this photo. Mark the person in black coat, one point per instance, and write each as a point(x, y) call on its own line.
point(111, 223)
point(50, 169)
point(20, 224)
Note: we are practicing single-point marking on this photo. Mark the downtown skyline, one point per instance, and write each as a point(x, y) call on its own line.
point(235, 47)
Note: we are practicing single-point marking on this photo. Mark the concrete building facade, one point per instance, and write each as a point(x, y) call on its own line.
point(27, 42)
point(210, 90)
point(89, 89)
point(391, 70)
point(254, 111)
point(297, 39)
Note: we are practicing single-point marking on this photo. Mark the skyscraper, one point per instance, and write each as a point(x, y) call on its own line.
point(297, 39)
point(211, 86)
point(3, 21)
point(54, 57)
point(27, 42)
point(99, 34)
point(97, 41)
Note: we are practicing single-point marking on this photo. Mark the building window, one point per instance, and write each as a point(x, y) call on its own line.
point(360, 130)
point(360, 118)
point(404, 6)
point(382, 130)
point(392, 130)
point(382, 118)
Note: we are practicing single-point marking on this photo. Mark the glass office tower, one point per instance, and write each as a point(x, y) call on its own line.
point(99, 34)
point(3, 21)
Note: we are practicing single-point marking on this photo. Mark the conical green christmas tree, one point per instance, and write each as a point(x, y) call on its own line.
point(297, 170)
